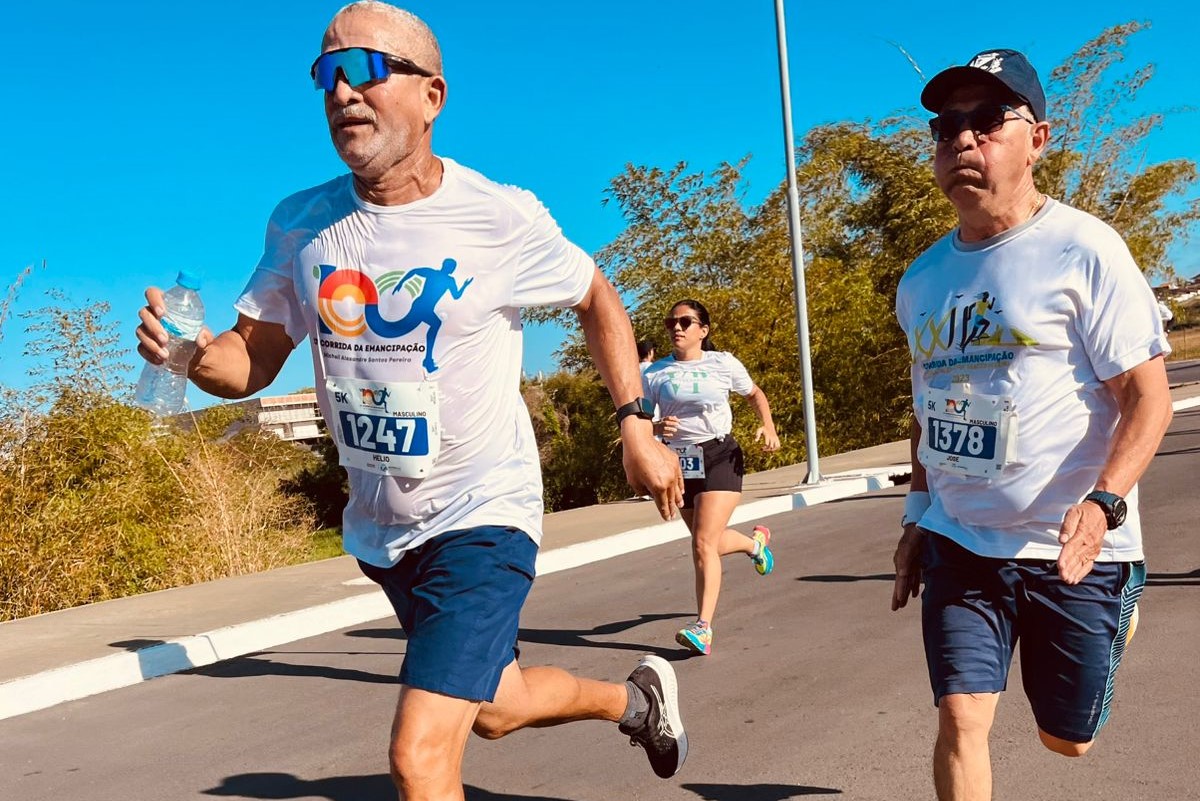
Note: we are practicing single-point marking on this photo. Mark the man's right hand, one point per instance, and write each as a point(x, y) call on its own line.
point(908, 566)
point(152, 337)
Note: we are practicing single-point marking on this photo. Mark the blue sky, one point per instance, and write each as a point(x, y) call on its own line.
point(145, 137)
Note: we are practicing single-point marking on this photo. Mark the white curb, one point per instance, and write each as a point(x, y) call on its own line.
point(832, 488)
point(45, 689)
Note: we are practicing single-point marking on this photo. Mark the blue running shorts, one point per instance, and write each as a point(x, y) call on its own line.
point(458, 598)
point(974, 609)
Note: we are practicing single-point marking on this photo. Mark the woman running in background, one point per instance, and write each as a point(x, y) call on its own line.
point(691, 388)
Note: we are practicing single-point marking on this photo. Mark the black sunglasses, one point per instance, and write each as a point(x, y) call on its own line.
point(684, 322)
point(980, 120)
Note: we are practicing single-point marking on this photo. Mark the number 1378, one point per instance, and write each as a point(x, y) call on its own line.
point(961, 438)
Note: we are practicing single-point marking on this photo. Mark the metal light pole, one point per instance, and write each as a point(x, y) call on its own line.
point(810, 422)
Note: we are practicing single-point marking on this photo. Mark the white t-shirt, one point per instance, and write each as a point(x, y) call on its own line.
point(697, 392)
point(1041, 314)
point(478, 251)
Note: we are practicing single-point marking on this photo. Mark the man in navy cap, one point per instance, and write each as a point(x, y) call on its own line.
point(1039, 398)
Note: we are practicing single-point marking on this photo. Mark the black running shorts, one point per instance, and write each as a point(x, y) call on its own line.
point(723, 470)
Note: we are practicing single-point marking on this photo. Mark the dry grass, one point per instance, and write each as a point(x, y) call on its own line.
point(1185, 343)
point(95, 505)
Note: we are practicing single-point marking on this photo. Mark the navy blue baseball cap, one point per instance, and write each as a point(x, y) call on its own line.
point(1003, 69)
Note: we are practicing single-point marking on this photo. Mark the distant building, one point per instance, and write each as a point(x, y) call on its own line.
point(294, 418)
point(1181, 291)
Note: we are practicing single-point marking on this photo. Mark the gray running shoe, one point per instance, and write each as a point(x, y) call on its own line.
point(660, 732)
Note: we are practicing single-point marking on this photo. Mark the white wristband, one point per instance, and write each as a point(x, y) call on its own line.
point(915, 504)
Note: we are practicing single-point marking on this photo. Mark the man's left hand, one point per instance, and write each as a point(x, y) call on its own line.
point(651, 467)
point(1082, 535)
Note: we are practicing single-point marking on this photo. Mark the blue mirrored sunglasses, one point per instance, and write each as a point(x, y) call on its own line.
point(358, 66)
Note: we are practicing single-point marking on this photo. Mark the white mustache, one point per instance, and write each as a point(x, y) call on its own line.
point(353, 114)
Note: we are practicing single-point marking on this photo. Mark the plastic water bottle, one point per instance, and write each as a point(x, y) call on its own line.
point(161, 387)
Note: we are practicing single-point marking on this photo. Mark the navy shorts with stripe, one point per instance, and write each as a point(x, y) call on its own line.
point(975, 609)
point(458, 598)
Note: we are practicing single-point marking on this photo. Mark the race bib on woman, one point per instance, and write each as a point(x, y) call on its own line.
point(691, 460)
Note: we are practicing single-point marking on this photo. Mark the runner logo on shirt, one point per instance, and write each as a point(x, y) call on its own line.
point(426, 286)
point(977, 322)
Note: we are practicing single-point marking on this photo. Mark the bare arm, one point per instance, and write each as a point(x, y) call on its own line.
point(242, 360)
point(1144, 398)
point(235, 364)
point(766, 432)
point(649, 466)
point(919, 482)
point(907, 558)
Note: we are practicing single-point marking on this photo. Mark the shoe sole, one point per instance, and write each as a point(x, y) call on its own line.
point(689, 643)
point(766, 542)
point(768, 563)
point(670, 688)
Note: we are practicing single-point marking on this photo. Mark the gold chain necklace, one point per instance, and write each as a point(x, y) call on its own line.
point(1037, 205)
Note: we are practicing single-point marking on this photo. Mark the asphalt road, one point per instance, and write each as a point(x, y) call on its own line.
point(814, 688)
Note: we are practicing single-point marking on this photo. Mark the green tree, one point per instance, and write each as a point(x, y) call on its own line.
point(1096, 160)
point(869, 207)
point(323, 483)
point(578, 443)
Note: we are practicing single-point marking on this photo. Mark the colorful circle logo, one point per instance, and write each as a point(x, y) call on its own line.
point(338, 288)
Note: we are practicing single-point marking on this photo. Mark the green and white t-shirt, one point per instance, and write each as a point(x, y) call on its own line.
point(697, 392)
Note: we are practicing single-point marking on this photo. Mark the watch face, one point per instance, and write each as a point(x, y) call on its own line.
point(1113, 505)
point(638, 407)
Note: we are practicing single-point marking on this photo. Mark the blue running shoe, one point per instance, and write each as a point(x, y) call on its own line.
point(696, 637)
point(764, 560)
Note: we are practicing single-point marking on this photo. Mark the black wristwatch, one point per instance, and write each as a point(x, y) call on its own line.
point(638, 407)
point(1112, 504)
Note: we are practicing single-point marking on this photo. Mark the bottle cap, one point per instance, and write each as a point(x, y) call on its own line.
point(189, 280)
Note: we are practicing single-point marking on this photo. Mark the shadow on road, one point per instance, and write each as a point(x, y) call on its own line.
point(578, 637)
point(755, 792)
point(1189, 579)
point(843, 579)
point(258, 665)
point(1180, 452)
point(395, 633)
point(377, 787)
point(570, 637)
